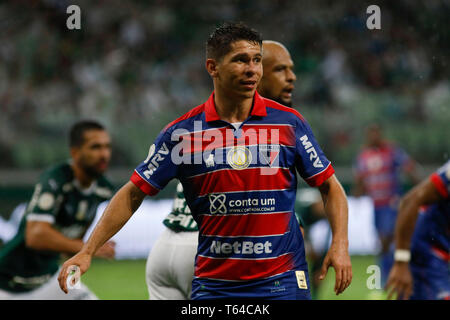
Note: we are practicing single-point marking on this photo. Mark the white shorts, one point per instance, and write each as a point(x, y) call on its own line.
point(50, 291)
point(170, 266)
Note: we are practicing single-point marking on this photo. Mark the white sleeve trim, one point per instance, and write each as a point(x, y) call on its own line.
point(316, 174)
point(41, 217)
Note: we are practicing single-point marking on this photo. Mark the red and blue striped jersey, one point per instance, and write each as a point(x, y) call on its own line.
point(380, 170)
point(433, 225)
point(240, 184)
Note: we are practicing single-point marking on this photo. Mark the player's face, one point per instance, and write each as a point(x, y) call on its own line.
point(278, 80)
point(94, 154)
point(240, 70)
point(374, 136)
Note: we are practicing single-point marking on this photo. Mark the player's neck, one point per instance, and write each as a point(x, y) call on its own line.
point(377, 145)
point(83, 178)
point(232, 108)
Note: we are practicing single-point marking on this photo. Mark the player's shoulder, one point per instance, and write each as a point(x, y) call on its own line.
point(391, 147)
point(57, 175)
point(365, 152)
point(444, 169)
point(189, 116)
point(396, 152)
point(441, 180)
point(288, 113)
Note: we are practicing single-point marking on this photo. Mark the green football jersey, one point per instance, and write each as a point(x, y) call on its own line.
point(59, 200)
point(180, 218)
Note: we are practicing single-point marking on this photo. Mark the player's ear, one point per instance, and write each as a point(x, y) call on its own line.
point(74, 152)
point(211, 67)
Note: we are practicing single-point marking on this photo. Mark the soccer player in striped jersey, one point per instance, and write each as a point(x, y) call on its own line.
point(237, 156)
point(171, 279)
point(278, 78)
point(422, 239)
point(62, 208)
point(379, 168)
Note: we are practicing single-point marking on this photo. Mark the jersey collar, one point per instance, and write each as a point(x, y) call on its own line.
point(85, 191)
point(258, 108)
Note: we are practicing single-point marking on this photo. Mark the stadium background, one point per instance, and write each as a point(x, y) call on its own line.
point(137, 65)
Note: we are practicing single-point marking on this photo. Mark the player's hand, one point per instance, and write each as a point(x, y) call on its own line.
point(107, 251)
point(400, 281)
point(82, 261)
point(338, 257)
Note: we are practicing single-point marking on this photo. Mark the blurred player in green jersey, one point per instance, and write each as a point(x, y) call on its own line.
point(62, 208)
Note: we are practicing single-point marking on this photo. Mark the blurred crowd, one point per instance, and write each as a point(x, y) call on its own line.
point(136, 65)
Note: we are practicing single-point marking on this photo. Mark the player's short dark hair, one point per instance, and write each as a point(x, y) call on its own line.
point(220, 40)
point(76, 135)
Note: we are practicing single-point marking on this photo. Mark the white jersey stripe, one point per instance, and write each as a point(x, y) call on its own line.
point(40, 217)
point(234, 258)
point(231, 169)
point(246, 236)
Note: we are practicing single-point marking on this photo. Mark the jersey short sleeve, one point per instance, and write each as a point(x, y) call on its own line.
point(45, 202)
point(311, 162)
point(441, 180)
point(158, 168)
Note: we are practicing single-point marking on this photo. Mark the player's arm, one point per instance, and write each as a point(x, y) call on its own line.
point(42, 211)
point(423, 194)
point(336, 209)
point(122, 206)
point(319, 173)
point(40, 235)
point(120, 209)
point(409, 166)
point(400, 278)
point(413, 173)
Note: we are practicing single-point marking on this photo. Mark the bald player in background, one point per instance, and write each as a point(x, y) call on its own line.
point(278, 78)
point(171, 279)
point(277, 84)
